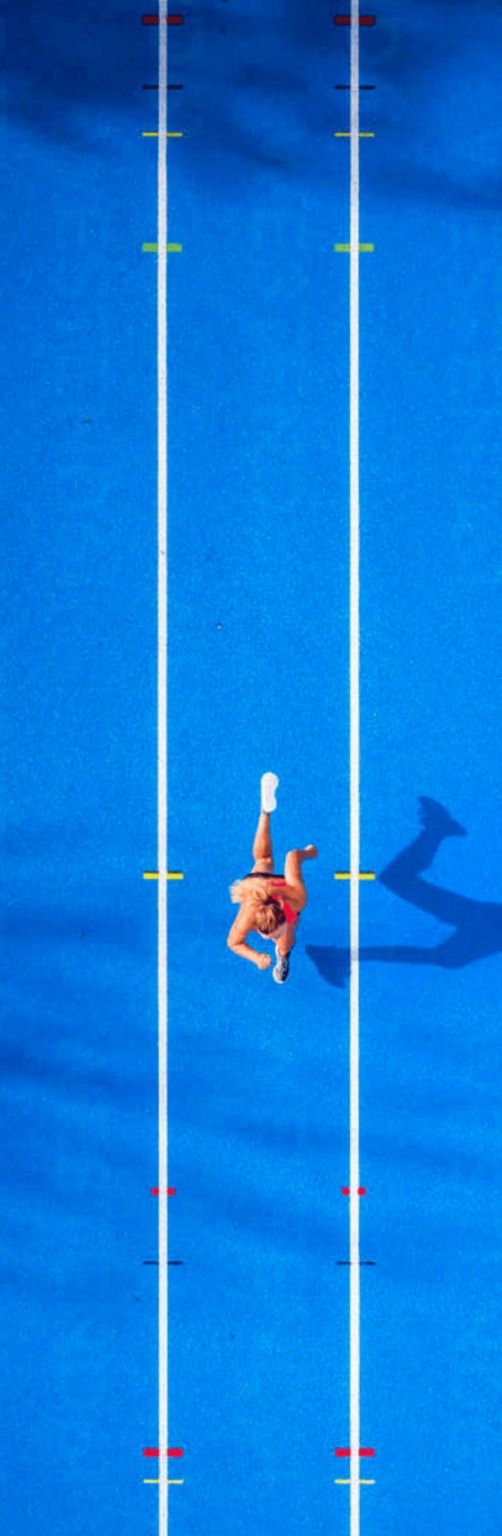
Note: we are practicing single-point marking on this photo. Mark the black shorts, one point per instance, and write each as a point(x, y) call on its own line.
point(256, 875)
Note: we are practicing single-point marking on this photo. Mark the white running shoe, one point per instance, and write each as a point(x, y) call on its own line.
point(269, 782)
point(281, 970)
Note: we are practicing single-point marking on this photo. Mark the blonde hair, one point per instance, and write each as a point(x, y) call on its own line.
point(266, 914)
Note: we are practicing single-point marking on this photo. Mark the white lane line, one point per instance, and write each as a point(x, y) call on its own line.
point(163, 1439)
point(355, 1300)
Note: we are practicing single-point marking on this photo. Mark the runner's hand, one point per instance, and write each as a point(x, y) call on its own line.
point(263, 962)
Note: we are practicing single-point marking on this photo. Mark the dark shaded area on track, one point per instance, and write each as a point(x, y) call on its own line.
point(478, 924)
point(56, 69)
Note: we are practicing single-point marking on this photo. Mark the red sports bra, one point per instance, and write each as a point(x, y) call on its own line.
point(288, 911)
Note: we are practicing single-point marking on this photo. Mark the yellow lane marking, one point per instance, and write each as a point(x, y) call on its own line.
point(344, 876)
point(153, 874)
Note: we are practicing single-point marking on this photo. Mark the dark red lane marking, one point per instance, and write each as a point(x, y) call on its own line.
point(153, 21)
point(170, 1191)
point(347, 87)
point(346, 1191)
point(176, 1452)
point(180, 87)
point(155, 1261)
point(364, 21)
point(360, 1261)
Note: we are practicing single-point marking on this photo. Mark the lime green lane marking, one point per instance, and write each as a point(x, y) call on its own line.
point(156, 135)
point(155, 247)
point(347, 247)
point(349, 135)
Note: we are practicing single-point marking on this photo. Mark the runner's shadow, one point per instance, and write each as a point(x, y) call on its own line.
point(477, 924)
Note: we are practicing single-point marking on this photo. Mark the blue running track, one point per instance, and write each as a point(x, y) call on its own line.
point(258, 680)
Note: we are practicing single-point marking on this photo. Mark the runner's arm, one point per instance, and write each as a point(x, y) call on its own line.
point(237, 937)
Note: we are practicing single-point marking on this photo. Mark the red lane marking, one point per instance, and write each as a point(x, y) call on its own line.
point(349, 1453)
point(364, 21)
point(157, 1191)
point(176, 1452)
point(346, 1191)
point(153, 21)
